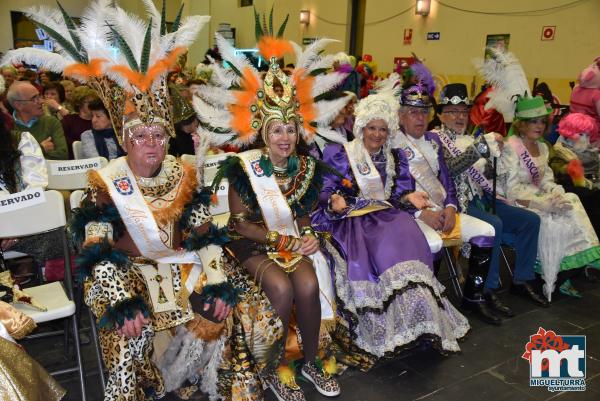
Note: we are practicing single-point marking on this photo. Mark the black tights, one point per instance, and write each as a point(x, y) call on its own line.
point(284, 290)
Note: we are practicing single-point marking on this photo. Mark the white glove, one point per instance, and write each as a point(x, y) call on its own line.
point(480, 164)
point(544, 204)
point(560, 203)
point(492, 141)
point(557, 190)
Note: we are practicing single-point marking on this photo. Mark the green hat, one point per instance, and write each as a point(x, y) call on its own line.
point(531, 107)
point(182, 108)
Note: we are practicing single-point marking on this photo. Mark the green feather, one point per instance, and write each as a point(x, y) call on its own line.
point(72, 30)
point(318, 71)
point(266, 165)
point(163, 19)
point(264, 26)
point(145, 58)
point(271, 21)
point(282, 27)
point(177, 21)
point(62, 42)
point(125, 49)
point(258, 32)
point(234, 69)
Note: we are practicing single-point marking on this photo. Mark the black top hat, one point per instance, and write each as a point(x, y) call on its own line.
point(453, 94)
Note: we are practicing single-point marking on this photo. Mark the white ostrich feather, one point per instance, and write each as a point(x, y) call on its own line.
point(186, 35)
point(311, 53)
point(153, 13)
point(52, 18)
point(504, 72)
point(239, 61)
point(391, 84)
point(211, 115)
point(42, 58)
point(326, 82)
point(222, 77)
point(322, 62)
point(331, 135)
point(214, 138)
point(327, 110)
point(215, 95)
point(94, 31)
point(131, 28)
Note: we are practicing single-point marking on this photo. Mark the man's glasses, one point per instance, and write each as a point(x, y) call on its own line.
point(418, 112)
point(36, 98)
point(457, 113)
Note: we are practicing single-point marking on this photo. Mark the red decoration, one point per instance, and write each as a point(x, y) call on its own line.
point(542, 341)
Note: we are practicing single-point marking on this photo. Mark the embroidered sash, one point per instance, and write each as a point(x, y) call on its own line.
point(474, 173)
point(366, 174)
point(141, 226)
point(278, 217)
point(526, 160)
point(422, 172)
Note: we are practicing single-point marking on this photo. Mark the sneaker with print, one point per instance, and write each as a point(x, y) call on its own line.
point(323, 381)
point(284, 392)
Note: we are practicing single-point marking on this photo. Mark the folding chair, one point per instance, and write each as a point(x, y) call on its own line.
point(77, 150)
point(37, 219)
point(452, 265)
point(75, 180)
point(75, 201)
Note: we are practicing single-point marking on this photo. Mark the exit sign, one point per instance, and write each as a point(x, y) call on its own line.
point(308, 41)
point(433, 36)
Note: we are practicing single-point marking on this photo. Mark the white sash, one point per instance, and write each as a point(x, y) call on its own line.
point(366, 174)
point(474, 173)
point(422, 171)
point(526, 160)
point(144, 232)
point(278, 217)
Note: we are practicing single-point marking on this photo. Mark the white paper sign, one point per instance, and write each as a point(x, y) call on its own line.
point(222, 205)
point(69, 167)
point(21, 200)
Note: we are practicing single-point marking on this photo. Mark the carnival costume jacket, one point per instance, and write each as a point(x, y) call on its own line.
point(121, 281)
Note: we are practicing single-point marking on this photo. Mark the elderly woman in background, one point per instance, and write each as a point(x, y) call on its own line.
point(54, 100)
point(101, 140)
point(80, 121)
point(389, 298)
point(567, 239)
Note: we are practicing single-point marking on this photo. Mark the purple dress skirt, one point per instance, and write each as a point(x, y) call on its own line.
point(388, 298)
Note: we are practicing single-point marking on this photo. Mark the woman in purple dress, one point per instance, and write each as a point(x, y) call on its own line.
point(388, 297)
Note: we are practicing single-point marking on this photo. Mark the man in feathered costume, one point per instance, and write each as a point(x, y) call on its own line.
point(148, 249)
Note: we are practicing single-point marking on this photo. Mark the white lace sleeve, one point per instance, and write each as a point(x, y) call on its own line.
point(33, 165)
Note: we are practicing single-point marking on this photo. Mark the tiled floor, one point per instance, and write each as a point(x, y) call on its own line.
point(489, 368)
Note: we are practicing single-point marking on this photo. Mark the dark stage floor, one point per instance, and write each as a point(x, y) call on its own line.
point(489, 368)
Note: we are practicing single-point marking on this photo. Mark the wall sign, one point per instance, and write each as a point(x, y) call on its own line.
point(407, 36)
point(548, 32)
point(433, 36)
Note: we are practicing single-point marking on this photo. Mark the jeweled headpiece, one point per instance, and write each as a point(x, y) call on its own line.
point(123, 58)
point(238, 104)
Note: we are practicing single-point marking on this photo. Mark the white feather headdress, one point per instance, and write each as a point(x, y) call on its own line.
point(505, 74)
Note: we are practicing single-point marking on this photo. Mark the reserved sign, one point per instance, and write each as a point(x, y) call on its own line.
point(69, 167)
point(21, 200)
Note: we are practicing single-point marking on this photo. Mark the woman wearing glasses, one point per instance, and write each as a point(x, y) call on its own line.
point(567, 239)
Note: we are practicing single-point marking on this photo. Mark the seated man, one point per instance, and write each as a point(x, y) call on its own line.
point(428, 168)
point(29, 117)
point(470, 164)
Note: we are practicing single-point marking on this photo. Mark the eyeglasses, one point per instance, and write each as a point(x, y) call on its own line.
point(457, 113)
point(36, 98)
point(156, 138)
point(422, 112)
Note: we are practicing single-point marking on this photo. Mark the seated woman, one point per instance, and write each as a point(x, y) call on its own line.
point(389, 298)
point(567, 239)
point(101, 140)
point(54, 100)
point(272, 190)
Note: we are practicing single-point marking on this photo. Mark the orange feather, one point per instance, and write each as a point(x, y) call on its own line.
point(92, 69)
point(274, 47)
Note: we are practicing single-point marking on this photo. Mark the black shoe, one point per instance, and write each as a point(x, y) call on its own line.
point(495, 304)
point(483, 312)
point(525, 290)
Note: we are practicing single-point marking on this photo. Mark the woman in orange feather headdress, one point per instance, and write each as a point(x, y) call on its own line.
point(272, 190)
